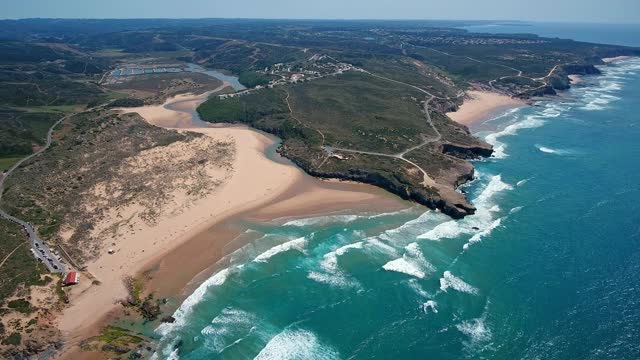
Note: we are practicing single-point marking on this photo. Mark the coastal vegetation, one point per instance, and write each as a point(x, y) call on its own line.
point(252, 79)
point(119, 342)
point(363, 101)
point(361, 113)
point(105, 140)
point(17, 260)
point(126, 102)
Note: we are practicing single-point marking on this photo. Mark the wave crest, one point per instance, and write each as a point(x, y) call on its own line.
point(296, 344)
point(450, 281)
point(298, 244)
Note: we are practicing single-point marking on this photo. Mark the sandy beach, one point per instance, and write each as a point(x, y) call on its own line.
point(575, 79)
point(481, 105)
point(185, 235)
point(615, 59)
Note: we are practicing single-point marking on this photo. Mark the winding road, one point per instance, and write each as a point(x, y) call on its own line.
point(492, 82)
point(428, 181)
point(40, 250)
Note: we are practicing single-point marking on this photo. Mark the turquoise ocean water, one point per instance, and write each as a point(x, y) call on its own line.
point(548, 267)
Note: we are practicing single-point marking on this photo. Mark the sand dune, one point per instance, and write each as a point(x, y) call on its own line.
point(253, 181)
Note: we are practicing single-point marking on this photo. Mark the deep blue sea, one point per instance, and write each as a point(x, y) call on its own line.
point(617, 34)
point(548, 267)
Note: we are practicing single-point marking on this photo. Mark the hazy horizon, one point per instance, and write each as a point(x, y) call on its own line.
point(585, 11)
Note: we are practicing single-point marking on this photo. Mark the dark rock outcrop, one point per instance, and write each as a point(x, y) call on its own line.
point(539, 92)
point(466, 152)
point(168, 319)
point(580, 69)
point(559, 80)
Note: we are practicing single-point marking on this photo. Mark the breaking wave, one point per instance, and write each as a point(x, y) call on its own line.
point(450, 281)
point(331, 273)
point(411, 263)
point(329, 219)
point(477, 237)
point(480, 224)
point(430, 306)
point(322, 220)
point(296, 244)
point(228, 328)
point(549, 110)
point(599, 97)
point(298, 345)
point(547, 150)
point(196, 297)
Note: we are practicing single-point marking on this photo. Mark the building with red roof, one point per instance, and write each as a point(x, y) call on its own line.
point(71, 278)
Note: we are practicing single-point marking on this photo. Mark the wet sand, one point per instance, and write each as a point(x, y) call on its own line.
point(180, 247)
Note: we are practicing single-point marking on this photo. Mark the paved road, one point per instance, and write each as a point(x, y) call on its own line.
point(40, 250)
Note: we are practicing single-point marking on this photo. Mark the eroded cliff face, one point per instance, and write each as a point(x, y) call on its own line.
point(467, 152)
point(446, 164)
point(559, 80)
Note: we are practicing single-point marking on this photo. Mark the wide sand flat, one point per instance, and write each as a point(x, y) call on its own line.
point(253, 182)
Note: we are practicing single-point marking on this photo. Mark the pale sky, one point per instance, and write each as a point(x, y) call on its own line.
point(534, 10)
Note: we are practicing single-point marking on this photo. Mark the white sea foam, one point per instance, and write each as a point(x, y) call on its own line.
point(402, 265)
point(548, 150)
point(227, 328)
point(495, 186)
point(481, 223)
point(423, 218)
point(331, 274)
point(196, 297)
point(173, 355)
point(479, 235)
point(321, 220)
point(330, 260)
point(342, 250)
point(476, 330)
point(382, 246)
point(383, 242)
point(515, 209)
point(298, 345)
point(530, 121)
point(296, 244)
point(337, 279)
point(328, 219)
point(411, 263)
point(399, 212)
point(550, 110)
point(508, 113)
point(446, 230)
point(430, 305)
point(415, 286)
point(597, 101)
point(522, 182)
point(450, 281)
point(598, 98)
